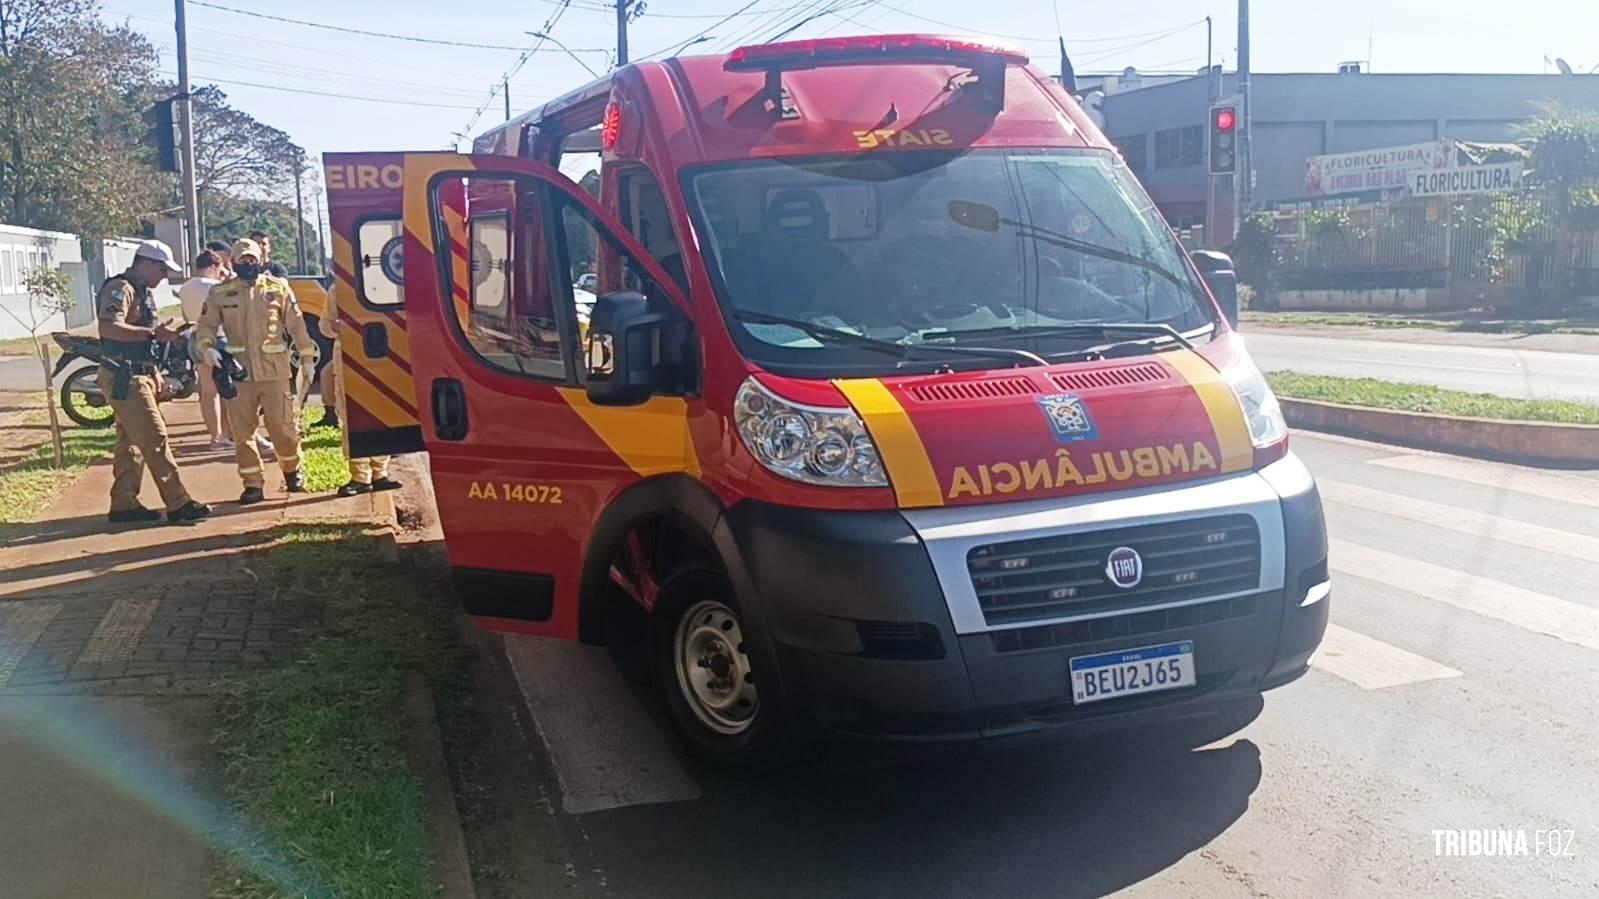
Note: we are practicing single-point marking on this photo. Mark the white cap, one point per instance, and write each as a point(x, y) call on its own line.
point(160, 252)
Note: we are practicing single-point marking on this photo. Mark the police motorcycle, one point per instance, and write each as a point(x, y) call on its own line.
point(81, 397)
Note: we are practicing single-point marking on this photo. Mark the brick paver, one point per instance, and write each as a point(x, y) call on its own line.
point(167, 638)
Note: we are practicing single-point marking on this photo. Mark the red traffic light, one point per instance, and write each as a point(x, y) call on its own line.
point(1226, 119)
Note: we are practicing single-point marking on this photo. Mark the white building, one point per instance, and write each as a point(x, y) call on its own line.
point(21, 251)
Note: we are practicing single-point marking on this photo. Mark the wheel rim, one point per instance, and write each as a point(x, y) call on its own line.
point(713, 670)
point(87, 399)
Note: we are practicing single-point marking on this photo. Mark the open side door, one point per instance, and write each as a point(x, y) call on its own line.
point(522, 462)
point(377, 393)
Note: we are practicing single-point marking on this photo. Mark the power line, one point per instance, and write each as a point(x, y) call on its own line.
point(549, 25)
point(293, 70)
point(393, 37)
point(1027, 39)
point(703, 33)
point(296, 90)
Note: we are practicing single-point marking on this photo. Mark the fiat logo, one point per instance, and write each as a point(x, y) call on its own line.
point(1124, 567)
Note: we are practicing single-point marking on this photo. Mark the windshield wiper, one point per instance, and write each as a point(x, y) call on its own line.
point(1055, 238)
point(1159, 330)
point(904, 351)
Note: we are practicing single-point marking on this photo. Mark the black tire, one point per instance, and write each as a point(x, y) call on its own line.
point(761, 741)
point(77, 402)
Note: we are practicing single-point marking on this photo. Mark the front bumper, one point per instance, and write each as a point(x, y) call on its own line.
point(875, 630)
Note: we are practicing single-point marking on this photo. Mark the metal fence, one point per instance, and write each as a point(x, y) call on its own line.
point(1503, 243)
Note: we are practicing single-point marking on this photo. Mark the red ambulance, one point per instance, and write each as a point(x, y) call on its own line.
point(892, 405)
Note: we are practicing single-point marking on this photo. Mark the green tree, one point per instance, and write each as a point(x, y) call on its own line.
point(1564, 145)
point(49, 294)
point(71, 90)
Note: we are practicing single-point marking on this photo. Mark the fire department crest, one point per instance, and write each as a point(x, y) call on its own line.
point(1068, 418)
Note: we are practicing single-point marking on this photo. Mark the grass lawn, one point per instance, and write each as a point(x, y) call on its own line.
point(22, 346)
point(314, 753)
point(321, 454)
point(1367, 320)
point(29, 486)
point(1422, 398)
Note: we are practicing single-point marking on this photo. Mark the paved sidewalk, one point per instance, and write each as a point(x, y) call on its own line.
point(113, 640)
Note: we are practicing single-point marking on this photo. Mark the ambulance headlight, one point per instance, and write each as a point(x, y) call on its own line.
point(814, 444)
point(1262, 413)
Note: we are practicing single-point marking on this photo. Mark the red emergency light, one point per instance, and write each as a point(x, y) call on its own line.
point(1226, 119)
point(840, 51)
point(611, 126)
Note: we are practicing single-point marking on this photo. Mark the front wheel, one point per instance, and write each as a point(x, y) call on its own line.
point(711, 671)
point(82, 399)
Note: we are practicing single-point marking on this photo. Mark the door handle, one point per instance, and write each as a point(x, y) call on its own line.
point(449, 409)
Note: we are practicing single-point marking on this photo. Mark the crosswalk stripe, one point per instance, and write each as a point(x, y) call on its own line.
point(606, 750)
point(1550, 485)
point(1372, 664)
point(1526, 609)
point(1465, 521)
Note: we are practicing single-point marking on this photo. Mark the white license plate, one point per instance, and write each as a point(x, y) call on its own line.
point(1129, 672)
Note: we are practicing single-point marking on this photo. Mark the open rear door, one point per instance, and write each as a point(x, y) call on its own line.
point(377, 393)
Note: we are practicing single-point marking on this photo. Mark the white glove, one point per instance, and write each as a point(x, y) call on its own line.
point(213, 358)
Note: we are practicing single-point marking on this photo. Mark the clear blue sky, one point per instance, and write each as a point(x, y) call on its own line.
point(432, 91)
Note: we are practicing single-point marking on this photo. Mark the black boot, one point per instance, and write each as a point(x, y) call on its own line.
point(251, 496)
point(294, 482)
point(329, 419)
point(189, 511)
point(355, 488)
point(135, 514)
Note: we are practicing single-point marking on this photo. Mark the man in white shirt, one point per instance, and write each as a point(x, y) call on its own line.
point(207, 272)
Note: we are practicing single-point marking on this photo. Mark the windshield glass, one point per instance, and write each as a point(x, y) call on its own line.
point(924, 247)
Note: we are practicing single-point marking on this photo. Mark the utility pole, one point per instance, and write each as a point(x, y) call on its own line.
point(1244, 179)
point(191, 203)
point(321, 236)
point(505, 89)
point(1210, 100)
point(621, 32)
point(299, 215)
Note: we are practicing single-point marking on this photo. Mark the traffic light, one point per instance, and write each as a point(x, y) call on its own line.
point(162, 135)
point(1223, 140)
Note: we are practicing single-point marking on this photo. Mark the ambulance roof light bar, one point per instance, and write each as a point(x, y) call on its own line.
point(987, 58)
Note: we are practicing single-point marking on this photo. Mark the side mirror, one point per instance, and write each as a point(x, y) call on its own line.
point(1217, 270)
point(623, 350)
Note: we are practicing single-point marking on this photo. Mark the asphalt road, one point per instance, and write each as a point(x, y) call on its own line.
point(1455, 691)
point(20, 373)
point(1532, 374)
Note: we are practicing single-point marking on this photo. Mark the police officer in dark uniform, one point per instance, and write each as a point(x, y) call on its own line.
point(128, 334)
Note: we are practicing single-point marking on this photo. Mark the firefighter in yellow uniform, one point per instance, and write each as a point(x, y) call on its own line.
point(128, 334)
point(255, 309)
point(368, 474)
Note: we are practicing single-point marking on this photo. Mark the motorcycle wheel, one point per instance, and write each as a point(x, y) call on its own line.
point(83, 401)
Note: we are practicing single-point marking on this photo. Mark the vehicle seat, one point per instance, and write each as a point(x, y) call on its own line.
point(799, 270)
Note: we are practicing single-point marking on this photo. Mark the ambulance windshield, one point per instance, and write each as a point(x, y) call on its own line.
point(982, 248)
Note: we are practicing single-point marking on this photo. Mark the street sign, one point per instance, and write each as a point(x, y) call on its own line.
point(1500, 177)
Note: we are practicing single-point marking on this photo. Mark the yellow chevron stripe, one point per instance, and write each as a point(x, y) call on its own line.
point(900, 446)
point(385, 410)
point(651, 439)
point(1221, 405)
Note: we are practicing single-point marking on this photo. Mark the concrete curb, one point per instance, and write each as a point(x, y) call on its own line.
point(452, 868)
point(1534, 443)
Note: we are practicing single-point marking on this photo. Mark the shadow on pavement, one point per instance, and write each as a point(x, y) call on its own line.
point(1081, 819)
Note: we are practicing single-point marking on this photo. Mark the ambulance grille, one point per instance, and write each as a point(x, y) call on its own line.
point(1101, 378)
point(948, 391)
point(1064, 574)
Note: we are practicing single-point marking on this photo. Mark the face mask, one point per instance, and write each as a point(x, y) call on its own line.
point(247, 270)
